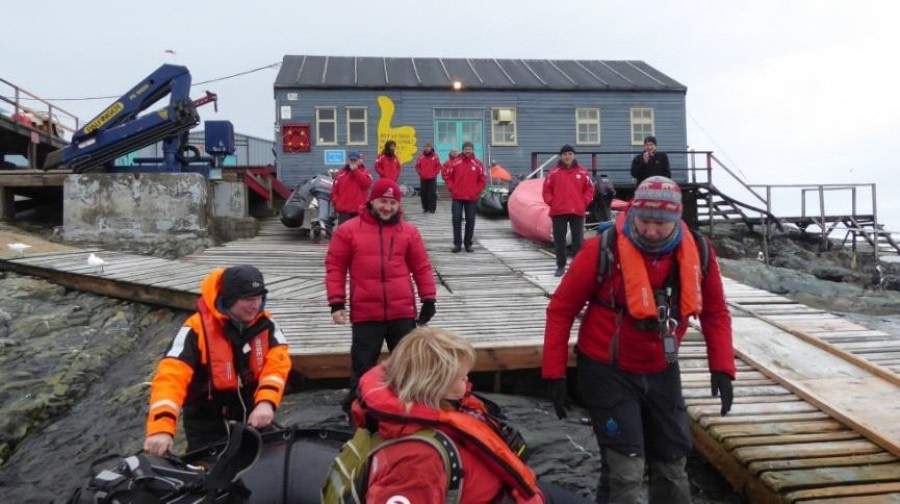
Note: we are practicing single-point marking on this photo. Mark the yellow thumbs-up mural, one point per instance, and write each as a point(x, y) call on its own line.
point(404, 136)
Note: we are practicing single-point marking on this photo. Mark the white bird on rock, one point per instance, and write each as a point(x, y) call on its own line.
point(19, 247)
point(96, 262)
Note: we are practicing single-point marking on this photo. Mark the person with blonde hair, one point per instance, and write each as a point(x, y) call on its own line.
point(424, 385)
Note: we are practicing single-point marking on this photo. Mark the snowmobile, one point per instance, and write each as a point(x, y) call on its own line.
point(309, 207)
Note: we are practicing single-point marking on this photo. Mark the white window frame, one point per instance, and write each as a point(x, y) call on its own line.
point(320, 121)
point(642, 123)
point(495, 123)
point(364, 121)
point(579, 121)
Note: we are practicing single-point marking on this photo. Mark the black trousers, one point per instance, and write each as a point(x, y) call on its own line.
point(457, 208)
point(640, 417)
point(368, 339)
point(560, 223)
point(428, 193)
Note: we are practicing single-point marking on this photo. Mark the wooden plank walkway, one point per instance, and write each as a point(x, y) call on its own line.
point(782, 442)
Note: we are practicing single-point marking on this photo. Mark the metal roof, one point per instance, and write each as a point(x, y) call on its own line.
point(349, 72)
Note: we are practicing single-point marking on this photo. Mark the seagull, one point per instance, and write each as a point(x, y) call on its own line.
point(96, 262)
point(761, 257)
point(19, 247)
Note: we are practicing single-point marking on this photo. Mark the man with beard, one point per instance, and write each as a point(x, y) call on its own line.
point(380, 251)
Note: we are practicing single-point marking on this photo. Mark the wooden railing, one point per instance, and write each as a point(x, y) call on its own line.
point(36, 113)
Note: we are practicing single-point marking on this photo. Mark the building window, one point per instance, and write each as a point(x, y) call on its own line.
point(357, 122)
point(503, 126)
point(641, 125)
point(326, 125)
point(587, 126)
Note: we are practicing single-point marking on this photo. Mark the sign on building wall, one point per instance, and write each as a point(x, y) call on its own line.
point(404, 136)
point(335, 157)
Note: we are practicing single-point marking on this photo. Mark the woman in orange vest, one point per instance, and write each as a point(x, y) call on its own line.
point(424, 384)
point(229, 361)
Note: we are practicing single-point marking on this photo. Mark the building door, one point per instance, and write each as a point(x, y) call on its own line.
point(453, 132)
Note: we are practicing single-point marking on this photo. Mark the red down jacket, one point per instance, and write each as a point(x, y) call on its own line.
point(428, 166)
point(465, 178)
point(639, 351)
point(380, 258)
point(568, 191)
point(351, 188)
point(411, 471)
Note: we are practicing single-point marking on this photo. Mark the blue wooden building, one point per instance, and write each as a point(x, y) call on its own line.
point(509, 109)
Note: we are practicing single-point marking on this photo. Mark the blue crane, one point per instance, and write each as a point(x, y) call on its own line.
point(120, 129)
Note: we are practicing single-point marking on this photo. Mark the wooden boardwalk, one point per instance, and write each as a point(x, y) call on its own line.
point(813, 419)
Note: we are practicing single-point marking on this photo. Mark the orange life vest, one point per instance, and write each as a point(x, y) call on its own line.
point(638, 291)
point(216, 350)
point(382, 404)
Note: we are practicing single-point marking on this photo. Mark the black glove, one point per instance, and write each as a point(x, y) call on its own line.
point(337, 307)
point(721, 386)
point(558, 390)
point(426, 312)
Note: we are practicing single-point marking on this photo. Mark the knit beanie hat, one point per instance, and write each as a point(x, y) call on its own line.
point(567, 148)
point(657, 198)
point(240, 282)
point(385, 188)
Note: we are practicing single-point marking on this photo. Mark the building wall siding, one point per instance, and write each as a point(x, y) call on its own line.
point(544, 122)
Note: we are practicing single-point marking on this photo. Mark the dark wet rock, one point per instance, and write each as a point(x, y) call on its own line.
point(803, 252)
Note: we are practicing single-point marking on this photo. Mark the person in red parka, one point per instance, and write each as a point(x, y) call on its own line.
point(465, 179)
point(428, 166)
point(351, 188)
point(627, 367)
point(451, 158)
point(387, 165)
point(424, 384)
point(568, 190)
point(384, 256)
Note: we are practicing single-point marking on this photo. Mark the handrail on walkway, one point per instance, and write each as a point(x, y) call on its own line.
point(46, 116)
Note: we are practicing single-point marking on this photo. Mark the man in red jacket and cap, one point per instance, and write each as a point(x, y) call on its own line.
point(568, 191)
point(380, 251)
point(657, 277)
point(351, 187)
point(465, 178)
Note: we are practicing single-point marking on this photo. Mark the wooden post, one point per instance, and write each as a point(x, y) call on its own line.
point(822, 218)
point(7, 204)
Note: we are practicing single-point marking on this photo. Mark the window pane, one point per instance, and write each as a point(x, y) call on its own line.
point(356, 113)
point(357, 132)
point(326, 132)
point(326, 114)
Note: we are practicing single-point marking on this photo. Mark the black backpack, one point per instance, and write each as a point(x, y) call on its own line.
point(148, 479)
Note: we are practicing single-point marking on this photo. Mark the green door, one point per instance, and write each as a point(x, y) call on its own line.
point(451, 133)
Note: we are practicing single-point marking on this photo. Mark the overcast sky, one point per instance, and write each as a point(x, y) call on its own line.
point(782, 91)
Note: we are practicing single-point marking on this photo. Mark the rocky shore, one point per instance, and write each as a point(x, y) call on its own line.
point(74, 370)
